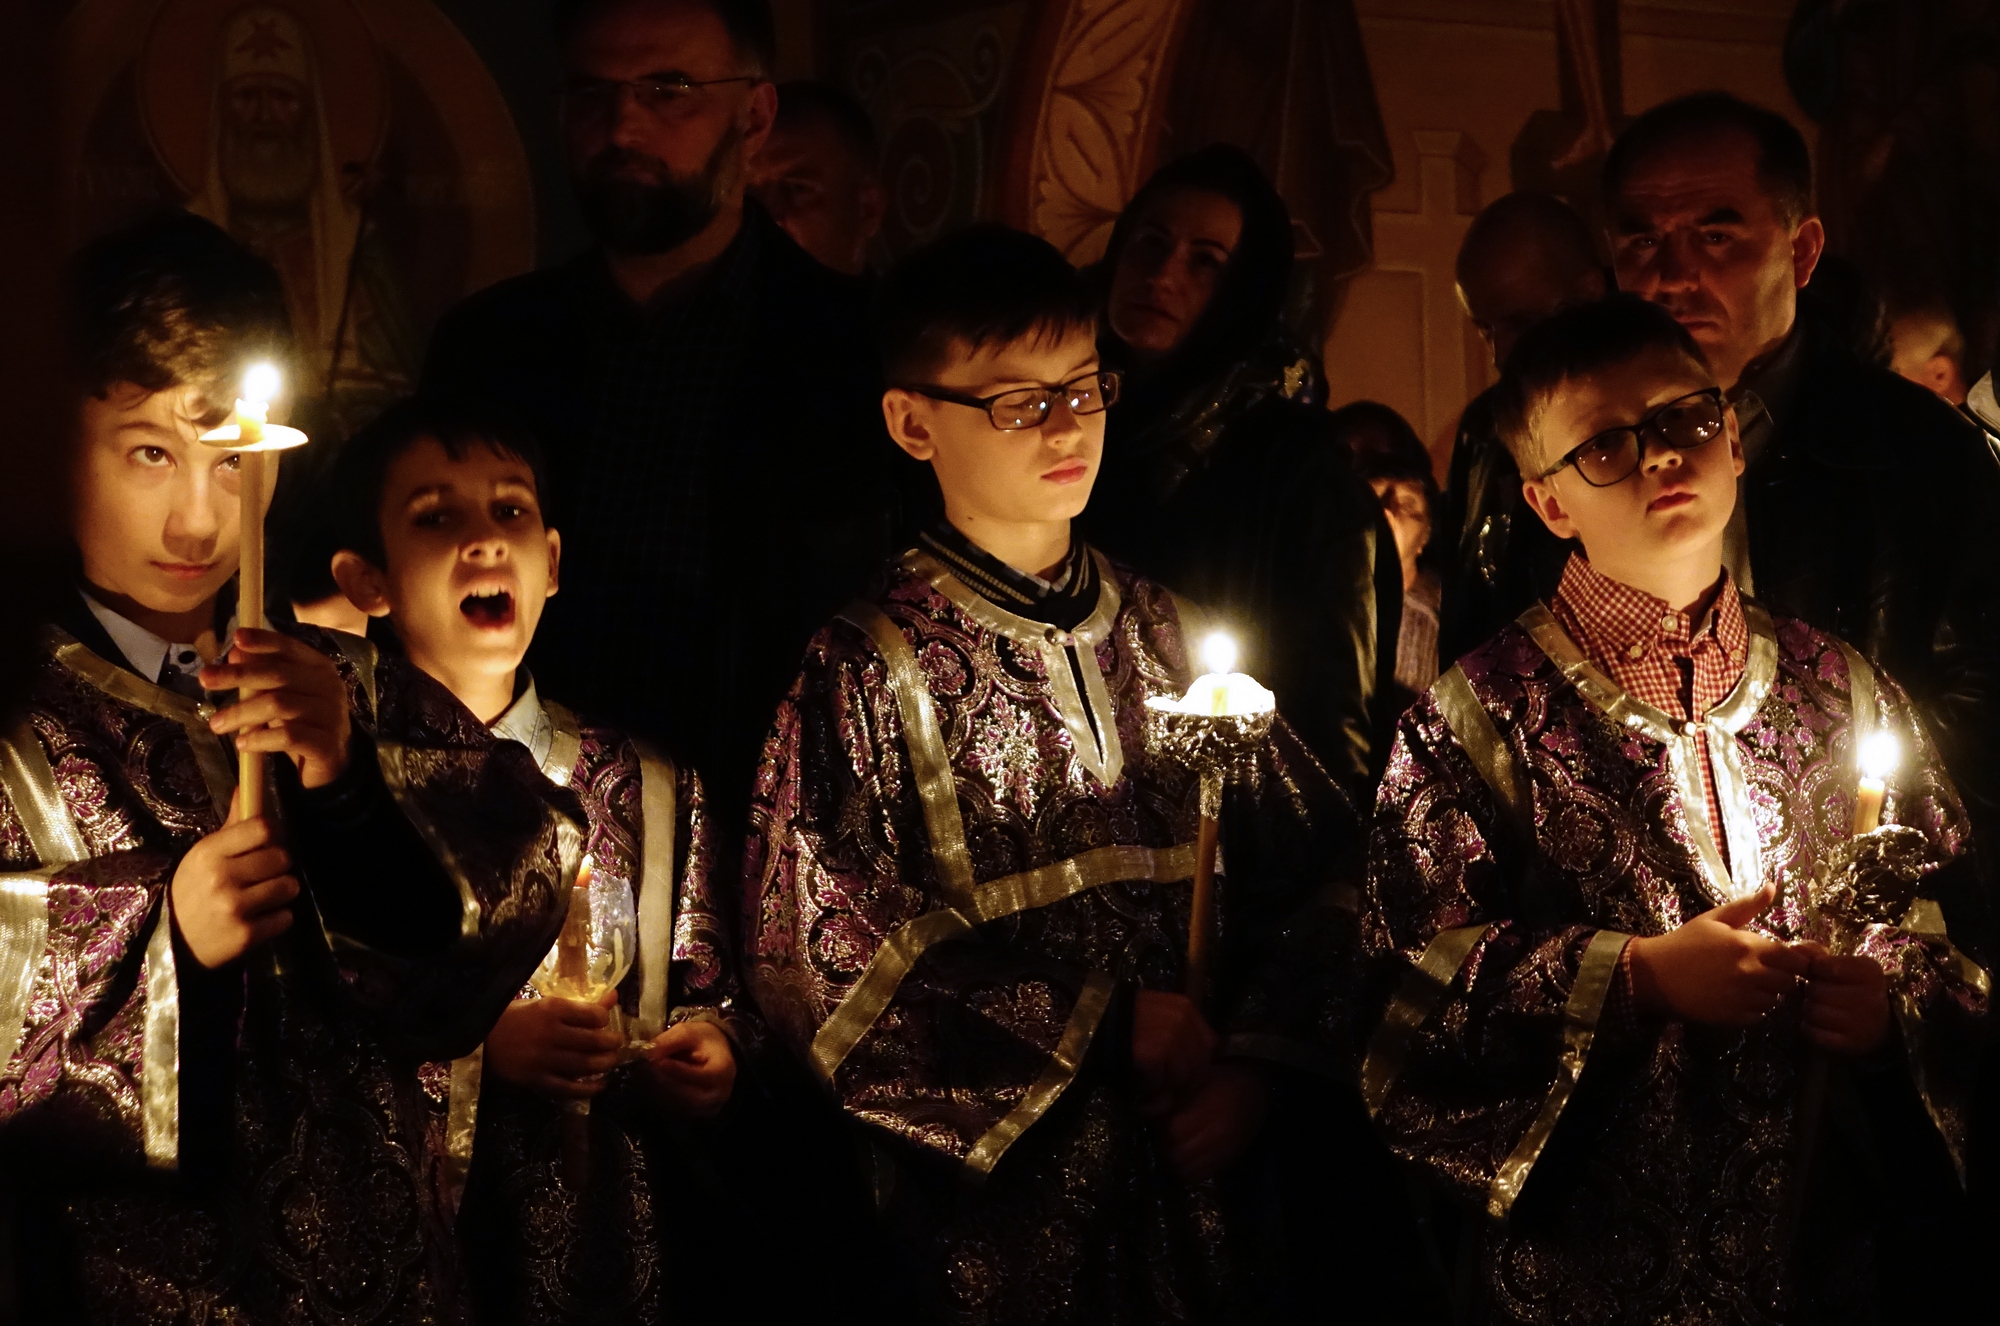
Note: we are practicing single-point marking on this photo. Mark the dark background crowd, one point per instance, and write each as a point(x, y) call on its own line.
point(701, 376)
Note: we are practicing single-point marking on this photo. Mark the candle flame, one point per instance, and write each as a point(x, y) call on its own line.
point(1880, 754)
point(583, 871)
point(262, 382)
point(1218, 653)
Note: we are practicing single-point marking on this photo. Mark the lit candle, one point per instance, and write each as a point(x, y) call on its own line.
point(1878, 758)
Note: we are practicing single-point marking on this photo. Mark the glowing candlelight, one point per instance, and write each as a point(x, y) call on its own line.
point(251, 434)
point(1879, 755)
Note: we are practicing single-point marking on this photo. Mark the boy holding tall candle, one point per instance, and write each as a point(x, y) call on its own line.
point(1590, 864)
point(441, 533)
point(210, 1021)
point(968, 881)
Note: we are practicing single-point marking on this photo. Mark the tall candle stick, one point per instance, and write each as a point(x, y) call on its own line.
point(252, 436)
point(1878, 759)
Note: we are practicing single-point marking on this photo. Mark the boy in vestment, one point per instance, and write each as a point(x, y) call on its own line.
point(1590, 865)
point(968, 880)
point(210, 1025)
point(442, 534)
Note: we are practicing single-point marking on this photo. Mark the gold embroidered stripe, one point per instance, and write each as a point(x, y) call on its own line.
point(461, 1124)
point(991, 901)
point(218, 770)
point(160, 1061)
point(1422, 990)
point(1594, 975)
point(877, 986)
point(1475, 731)
point(928, 765)
point(1087, 870)
point(24, 935)
point(656, 888)
point(30, 783)
point(565, 744)
point(1060, 1072)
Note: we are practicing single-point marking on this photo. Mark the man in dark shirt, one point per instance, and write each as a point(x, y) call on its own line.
point(703, 389)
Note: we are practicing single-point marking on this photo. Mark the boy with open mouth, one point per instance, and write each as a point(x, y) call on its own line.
point(442, 535)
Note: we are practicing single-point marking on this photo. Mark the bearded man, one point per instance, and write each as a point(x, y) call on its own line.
point(703, 389)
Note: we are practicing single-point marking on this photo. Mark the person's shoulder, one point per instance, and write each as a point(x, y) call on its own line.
point(1813, 657)
point(1860, 412)
point(510, 299)
point(795, 278)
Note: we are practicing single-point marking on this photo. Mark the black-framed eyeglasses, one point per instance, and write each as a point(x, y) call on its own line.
point(1028, 407)
point(597, 98)
point(1682, 424)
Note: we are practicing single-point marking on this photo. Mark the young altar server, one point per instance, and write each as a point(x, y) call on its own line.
point(1590, 864)
point(209, 1024)
point(442, 534)
point(968, 881)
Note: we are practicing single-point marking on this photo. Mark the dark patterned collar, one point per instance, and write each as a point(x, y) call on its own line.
point(1063, 602)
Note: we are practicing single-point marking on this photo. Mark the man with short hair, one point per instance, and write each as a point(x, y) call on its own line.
point(819, 177)
point(1870, 509)
point(1525, 257)
point(701, 387)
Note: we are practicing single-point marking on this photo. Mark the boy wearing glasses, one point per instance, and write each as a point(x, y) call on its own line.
point(968, 883)
point(1589, 865)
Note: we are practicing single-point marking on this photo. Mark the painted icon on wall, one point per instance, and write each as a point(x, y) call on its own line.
point(359, 145)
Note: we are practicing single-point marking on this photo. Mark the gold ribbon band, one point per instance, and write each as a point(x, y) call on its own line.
point(1594, 975)
point(1055, 1077)
point(218, 770)
point(1422, 990)
point(936, 788)
point(1480, 738)
point(864, 1003)
point(656, 888)
point(24, 936)
point(461, 1124)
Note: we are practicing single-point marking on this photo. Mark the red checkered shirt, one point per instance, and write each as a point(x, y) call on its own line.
point(1659, 655)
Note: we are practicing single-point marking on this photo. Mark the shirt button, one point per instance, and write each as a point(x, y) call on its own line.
point(1669, 622)
point(1635, 651)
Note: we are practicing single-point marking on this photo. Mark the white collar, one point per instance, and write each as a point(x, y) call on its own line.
point(146, 652)
point(528, 723)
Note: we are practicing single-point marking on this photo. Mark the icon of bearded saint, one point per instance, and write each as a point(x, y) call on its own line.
point(275, 184)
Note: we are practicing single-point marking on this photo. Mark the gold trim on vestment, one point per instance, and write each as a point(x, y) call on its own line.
point(218, 770)
point(1477, 734)
point(937, 790)
point(991, 901)
point(30, 783)
point(1743, 874)
point(1594, 975)
point(869, 995)
point(24, 938)
point(1084, 1020)
point(461, 1125)
point(160, 1071)
point(656, 888)
point(1423, 988)
point(160, 1062)
point(565, 743)
point(1098, 747)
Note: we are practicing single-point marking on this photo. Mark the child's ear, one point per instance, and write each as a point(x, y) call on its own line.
point(901, 412)
point(363, 583)
point(555, 559)
point(1542, 498)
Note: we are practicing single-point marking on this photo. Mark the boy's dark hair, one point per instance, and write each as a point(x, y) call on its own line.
point(981, 286)
point(804, 98)
point(1784, 165)
point(749, 23)
point(1576, 342)
point(458, 423)
point(174, 301)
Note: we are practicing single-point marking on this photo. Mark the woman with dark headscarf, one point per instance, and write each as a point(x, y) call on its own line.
point(1221, 478)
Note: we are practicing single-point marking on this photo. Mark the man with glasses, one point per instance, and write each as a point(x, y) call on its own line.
point(702, 388)
point(1870, 508)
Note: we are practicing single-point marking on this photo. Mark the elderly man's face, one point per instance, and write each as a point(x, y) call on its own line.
point(816, 185)
point(1694, 230)
point(270, 144)
point(652, 170)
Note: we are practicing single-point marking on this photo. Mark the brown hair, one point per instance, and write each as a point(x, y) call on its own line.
point(1572, 344)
